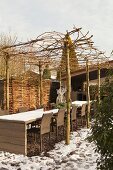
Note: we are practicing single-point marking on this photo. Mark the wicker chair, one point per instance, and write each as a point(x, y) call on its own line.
point(58, 121)
point(73, 116)
point(23, 109)
point(42, 127)
point(81, 115)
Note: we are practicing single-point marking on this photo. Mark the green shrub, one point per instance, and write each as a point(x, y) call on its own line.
point(60, 105)
point(102, 129)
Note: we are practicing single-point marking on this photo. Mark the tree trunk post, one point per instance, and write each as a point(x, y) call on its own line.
point(40, 87)
point(7, 81)
point(60, 85)
point(98, 83)
point(68, 83)
point(88, 94)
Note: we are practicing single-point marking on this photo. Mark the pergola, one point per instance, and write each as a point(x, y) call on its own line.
point(47, 49)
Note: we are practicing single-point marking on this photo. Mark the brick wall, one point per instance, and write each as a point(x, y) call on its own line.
point(25, 93)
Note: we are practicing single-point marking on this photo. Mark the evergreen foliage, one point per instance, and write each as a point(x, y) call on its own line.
point(46, 73)
point(72, 58)
point(93, 89)
point(60, 106)
point(102, 129)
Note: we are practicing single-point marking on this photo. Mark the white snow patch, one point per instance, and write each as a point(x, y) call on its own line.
point(79, 155)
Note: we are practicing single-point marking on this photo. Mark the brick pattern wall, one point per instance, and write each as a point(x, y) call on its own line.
point(26, 94)
point(46, 91)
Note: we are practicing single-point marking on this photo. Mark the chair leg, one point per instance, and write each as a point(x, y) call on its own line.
point(49, 136)
point(40, 143)
point(75, 124)
point(52, 129)
point(35, 137)
point(63, 131)
point(72, 126)
point(81, 121)
point(56, 132)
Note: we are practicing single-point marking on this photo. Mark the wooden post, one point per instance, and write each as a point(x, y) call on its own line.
point(22, 92)
point(40, 88)
point(68, 84)
point(60, 84)
point(7, 81)
point(98, 83)
point(88, 94)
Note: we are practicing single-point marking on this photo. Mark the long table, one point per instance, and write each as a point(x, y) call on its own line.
point(13, 130)
point(79, 103)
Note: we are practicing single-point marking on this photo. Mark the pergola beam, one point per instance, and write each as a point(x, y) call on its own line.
point(49, 46)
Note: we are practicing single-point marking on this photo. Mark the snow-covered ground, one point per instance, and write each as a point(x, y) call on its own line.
point(79, 155)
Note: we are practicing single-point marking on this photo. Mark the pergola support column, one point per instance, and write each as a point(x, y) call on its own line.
point(88, 94)
point(98, 83)
point(40, 88)
point(68, 84)
point(7, 81)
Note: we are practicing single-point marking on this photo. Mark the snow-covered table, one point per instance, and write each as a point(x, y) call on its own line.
point(27, 117)
point(79, 103)
point(13, 130)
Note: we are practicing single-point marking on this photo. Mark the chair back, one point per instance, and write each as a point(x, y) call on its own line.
point(4, 112)
point(46, 123)
point(74, 113)
point(83, 110)
point(60, 117)
point(23, 109)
